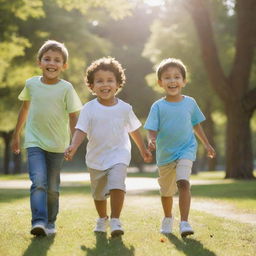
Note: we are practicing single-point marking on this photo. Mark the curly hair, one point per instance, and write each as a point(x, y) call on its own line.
point(54, 46)
point(106, 64)
point(171, 62)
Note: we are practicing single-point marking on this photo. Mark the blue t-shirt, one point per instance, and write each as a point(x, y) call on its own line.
point(174, 123)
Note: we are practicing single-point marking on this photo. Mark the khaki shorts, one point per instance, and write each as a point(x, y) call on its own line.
point(104, 181)
point(170, 173)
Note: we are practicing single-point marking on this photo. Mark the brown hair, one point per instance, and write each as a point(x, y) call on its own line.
point(171, 62)
point(54, 46)
point(106, 64)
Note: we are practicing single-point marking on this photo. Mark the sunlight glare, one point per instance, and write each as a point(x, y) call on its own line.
point(154, 2)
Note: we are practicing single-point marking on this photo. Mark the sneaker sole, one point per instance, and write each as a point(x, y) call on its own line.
point(116, 233)
point(38, 231)
point(186, 233)
point(99, 231)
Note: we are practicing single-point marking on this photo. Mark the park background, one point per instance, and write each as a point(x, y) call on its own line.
point(216, 39)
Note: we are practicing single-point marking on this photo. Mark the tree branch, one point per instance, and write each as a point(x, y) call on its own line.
point(201, 18)
point(245, 43)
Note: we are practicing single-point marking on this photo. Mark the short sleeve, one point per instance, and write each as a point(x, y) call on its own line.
point(197, 115)
point(73, 102)
point(133, 123)
point(152, 122)
point(24, 94)
point(83, 120)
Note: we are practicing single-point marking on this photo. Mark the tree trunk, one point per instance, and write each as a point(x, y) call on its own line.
point(239, 157)
point(208, 126)
point(7, 136)
point(16, 163)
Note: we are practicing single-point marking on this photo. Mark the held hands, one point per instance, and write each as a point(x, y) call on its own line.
point(69, 153)
point(147, 156)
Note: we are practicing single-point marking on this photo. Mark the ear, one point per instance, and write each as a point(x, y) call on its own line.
point(118, 86)
point(91, 86)
point(184, 83)
point(38, 62)
point(65, 66)
point(160, 83)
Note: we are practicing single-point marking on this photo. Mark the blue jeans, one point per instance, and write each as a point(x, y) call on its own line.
point(44, 172)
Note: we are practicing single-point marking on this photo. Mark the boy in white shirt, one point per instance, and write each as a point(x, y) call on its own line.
point(107, 122)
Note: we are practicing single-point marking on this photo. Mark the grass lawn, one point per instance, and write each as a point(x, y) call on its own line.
point(214, 236)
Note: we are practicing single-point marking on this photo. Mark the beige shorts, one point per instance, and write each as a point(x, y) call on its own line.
point(170, 173)
point(104, 181)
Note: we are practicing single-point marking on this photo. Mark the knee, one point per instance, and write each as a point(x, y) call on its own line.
point(183, 185)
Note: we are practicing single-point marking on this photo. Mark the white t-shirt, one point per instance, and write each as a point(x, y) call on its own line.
point(107, 129)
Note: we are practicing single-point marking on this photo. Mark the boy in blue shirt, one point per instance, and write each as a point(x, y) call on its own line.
point(171, 125)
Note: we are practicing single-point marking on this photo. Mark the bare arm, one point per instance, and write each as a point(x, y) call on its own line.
point(137, 138)
point(77, 140)
point(72, 122)
point(202, 137)
point(152, 139)
point(22, 117)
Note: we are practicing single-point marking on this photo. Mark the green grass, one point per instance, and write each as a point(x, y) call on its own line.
point(141, 217)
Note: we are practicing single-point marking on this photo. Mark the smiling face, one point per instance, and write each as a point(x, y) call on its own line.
point(105, 87)
point(172, 82)
point(52, 64)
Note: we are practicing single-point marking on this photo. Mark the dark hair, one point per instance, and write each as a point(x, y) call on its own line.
point(171, 62)
point(54, 46)
point(106, 64)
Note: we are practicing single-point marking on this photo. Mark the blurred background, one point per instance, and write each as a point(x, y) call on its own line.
point(215, 39)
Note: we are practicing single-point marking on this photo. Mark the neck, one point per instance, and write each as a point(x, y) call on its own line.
point(108, 102)
point(50, 81)
point(175, 98)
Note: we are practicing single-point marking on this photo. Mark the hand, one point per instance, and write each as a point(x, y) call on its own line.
point(147, 156)
point(210, 151)
point(16, 145)
point(69, 153)
point(152, 144)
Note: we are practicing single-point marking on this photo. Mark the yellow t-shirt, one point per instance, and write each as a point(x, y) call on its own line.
point(47, 126)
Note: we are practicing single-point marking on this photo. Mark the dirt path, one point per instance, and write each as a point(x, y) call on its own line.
point(137, 185)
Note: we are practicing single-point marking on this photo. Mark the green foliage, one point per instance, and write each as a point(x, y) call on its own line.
point(117, 9)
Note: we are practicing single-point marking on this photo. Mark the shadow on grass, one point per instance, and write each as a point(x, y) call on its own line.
point(111, 246)
point(39, 246)
point(10, 194)
point(190, 246)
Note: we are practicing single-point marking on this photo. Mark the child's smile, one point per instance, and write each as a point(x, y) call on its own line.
point(51, 64)
point(172, 82)
point(105, 87)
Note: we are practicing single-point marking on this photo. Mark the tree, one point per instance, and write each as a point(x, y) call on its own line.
point(24, 25)
point(234, 88)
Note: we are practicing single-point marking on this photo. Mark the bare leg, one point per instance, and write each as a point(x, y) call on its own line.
point(101, 207)
point(184, 199)
point(167, 206)
point(116, 202)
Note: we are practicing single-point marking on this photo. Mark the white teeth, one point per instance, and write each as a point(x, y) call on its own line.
point(51, 69)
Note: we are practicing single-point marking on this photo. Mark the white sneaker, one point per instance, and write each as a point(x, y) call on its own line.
point(38, 230)
point(166, 226)
point(185, 229)
point(101, 225)
point(116, 227)
point(51, 230)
